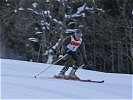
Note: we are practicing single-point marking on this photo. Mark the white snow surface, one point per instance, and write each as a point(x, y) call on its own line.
point(18, 82)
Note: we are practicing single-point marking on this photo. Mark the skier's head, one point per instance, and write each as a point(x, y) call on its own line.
point(78, 34)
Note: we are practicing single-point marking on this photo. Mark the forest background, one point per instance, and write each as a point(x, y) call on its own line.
point(32, 30)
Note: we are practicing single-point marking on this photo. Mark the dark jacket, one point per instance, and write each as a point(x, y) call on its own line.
point(67, 40)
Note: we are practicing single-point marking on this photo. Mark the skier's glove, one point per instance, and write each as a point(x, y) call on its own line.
point(68, 51)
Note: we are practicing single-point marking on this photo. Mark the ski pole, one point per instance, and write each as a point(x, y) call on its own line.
point(50, 66)
point(81, 66)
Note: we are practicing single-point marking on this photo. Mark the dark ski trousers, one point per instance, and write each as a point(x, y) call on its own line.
point(72, 59)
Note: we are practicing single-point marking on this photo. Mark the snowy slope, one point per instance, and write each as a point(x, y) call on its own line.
point(17, 82)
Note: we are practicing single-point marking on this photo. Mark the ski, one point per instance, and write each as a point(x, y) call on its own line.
point(80, 80)
point(93, 81)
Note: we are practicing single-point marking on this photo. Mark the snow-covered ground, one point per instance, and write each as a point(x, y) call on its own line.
point(18, 82)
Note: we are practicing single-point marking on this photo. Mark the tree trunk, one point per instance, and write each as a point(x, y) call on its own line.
point(2, 44)
point(112, 53)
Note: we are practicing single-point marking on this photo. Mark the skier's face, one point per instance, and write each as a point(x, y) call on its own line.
point(77, 37)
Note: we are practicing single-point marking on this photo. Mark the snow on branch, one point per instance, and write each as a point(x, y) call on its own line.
point(34, 5)
point(38, 32)
point(59, 22)
point(55, 46)
point(21, 8)
point(33, 39)
point(80, 9)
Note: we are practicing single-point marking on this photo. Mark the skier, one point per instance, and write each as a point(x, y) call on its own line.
point(71, 45)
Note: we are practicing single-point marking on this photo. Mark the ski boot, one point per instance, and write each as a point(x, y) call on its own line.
point(72, 75)
point(60, 75)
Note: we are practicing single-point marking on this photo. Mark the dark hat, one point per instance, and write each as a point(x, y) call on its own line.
point(78, 32)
